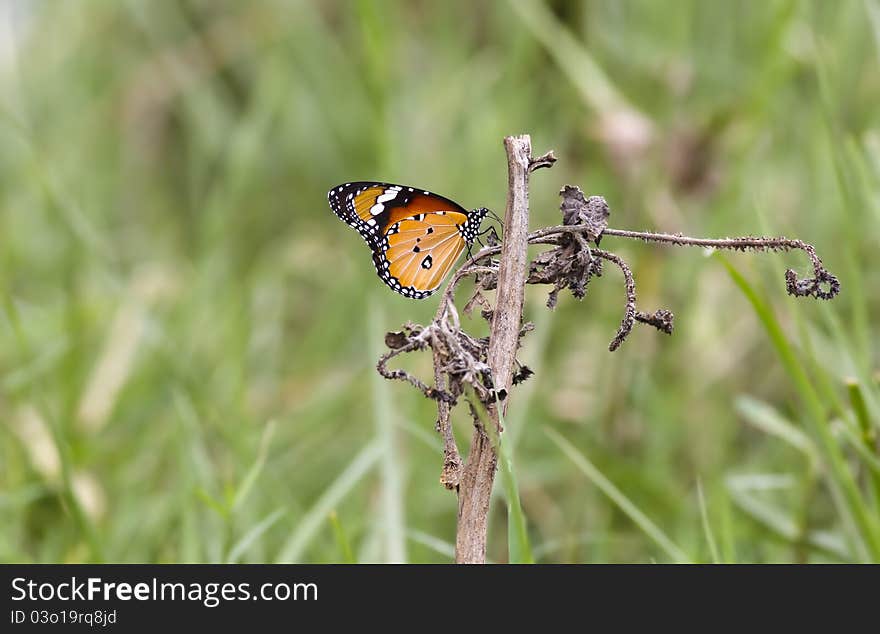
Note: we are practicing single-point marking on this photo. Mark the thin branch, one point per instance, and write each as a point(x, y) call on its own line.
point(401, 342)
point(823, 285)
point(661, 319)
point(450, 476)
point(749, 242)
point(629, 313)
point(550, 235)
point(545, 160)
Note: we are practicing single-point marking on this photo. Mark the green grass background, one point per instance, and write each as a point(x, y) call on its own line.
point(188, 335)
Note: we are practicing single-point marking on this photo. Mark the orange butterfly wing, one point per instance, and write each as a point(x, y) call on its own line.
point(415, 236)
point(421, 252)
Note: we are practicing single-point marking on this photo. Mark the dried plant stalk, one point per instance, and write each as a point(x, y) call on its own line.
point(489, 365)
point(475, 489)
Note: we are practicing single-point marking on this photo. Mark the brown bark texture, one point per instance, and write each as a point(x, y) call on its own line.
point(478, 475)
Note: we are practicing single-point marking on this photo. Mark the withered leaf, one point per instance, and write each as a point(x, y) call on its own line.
point(396, 339)
point(577, 210)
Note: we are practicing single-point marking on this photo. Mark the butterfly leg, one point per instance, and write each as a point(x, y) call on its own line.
point(492, 240)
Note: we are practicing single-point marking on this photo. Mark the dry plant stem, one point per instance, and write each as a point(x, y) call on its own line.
point(450, 477)
point(478, 475)
point(489, 366)
point(629, 313)
point(717, 243)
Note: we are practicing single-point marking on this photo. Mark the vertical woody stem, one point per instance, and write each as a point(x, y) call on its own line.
point(475, 489)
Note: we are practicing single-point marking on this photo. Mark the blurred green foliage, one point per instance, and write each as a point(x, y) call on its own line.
point(188, 335)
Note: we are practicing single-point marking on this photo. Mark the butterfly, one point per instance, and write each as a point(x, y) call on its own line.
point(415, 236)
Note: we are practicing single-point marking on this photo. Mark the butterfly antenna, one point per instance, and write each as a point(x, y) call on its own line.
point(500, 222)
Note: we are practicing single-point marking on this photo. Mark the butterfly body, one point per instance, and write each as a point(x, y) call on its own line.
point(415, 236)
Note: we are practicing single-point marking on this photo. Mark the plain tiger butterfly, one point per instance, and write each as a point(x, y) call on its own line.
point(415, 236)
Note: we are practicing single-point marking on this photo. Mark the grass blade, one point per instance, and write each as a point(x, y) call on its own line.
point(342, 539)
point(768, 420)
point(392, 511)
point(743, 489)
point(253, 535)
point(254, 472)
point(311, 522)
point(620, 500)
point(519, 550)
point(434, 543)
point(707, 529)
point(848, 498)
point(582, 70)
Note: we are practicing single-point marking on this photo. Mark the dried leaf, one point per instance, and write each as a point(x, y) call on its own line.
point(396, 339)
point(577, 210)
